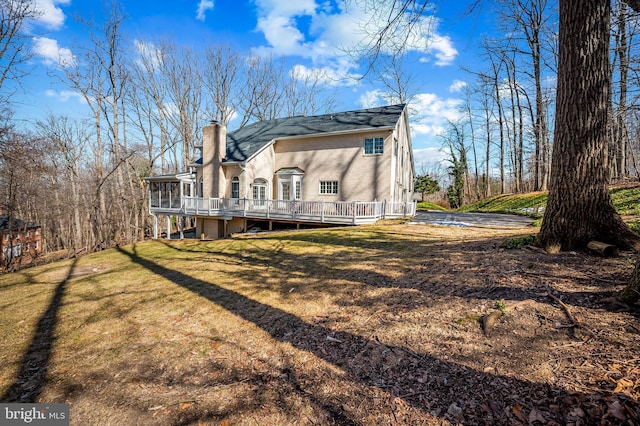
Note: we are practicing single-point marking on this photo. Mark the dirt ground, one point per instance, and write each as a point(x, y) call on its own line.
point(363, 326)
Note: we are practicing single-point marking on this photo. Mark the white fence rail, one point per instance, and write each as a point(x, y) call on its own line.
point(340, 212)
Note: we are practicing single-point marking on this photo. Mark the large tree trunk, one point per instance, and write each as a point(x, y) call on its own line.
point(579, 208)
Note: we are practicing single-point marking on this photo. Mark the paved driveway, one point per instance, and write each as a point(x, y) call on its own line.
point(470, 219)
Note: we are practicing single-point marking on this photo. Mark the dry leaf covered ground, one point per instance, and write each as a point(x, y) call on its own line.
point(368, 325)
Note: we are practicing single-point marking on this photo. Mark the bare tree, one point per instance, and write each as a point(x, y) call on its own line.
point(14, 14)
point(221, 77)
point(529, 19)
point(66, 144)
point(306, 93)
point(180, 68)
point(261, 96)
point(100, 76)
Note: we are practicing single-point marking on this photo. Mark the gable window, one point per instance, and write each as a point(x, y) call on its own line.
point(235, 187)
point(373, 146)
point(328, 187)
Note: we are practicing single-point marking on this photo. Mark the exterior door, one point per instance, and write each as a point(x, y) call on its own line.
point(260, 192)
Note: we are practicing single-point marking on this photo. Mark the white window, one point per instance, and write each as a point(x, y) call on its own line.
point(260, 191)
point(286, 190)
point(235, 187)
point(290, 184)
point(328, 187)
point(374, 146)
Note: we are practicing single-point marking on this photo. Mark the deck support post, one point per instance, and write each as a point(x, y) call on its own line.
point(155, 227)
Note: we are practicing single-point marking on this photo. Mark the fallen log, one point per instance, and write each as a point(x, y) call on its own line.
point(603, 249)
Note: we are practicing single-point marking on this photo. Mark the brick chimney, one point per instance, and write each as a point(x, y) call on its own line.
point(214, 150)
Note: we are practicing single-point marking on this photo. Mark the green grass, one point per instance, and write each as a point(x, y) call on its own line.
point(524, 204)
point(427, 205)
point(625, 200)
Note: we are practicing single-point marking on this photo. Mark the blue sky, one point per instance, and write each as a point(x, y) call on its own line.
point(308, 33)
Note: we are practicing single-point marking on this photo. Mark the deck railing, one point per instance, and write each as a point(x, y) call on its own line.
point(339, 212)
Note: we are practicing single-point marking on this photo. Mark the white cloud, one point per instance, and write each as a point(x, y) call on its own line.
point(203, 7)
point(323, 33)
point(429, 113)
point(432, 114)
point(442, 48)
point(65, 96)
point(281, 32)
point(51, 53)
point(457, 86)
point(425, 157)
point(371, 99)
point(51, 16)
point(339, 76)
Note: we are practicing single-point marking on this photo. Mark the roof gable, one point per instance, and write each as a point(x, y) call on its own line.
point(245, 142)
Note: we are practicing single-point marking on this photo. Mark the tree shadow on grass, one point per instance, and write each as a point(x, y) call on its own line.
point(420, 380)
point(32, 374)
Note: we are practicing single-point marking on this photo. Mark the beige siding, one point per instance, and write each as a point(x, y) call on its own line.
point(339, 158)
point(404, 167)
point(230, 172)
point(260, 167)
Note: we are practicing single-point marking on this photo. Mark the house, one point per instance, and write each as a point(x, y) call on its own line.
point(19, 240)
point(343, 168)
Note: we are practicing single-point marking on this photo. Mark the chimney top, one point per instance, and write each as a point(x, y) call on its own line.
point(213, 122)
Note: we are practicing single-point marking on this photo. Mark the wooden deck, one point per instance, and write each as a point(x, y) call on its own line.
point(338, 212)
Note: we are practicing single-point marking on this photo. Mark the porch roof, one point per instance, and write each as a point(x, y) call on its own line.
point(174, 177)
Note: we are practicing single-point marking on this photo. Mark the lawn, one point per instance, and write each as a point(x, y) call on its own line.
point(361, 325)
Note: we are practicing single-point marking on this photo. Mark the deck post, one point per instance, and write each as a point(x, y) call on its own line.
point(181, 226)
point(168, 227)
point(355, 206)
point(155, 227)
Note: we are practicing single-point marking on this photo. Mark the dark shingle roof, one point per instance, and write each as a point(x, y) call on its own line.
point(246, 141)
point(16, 223)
